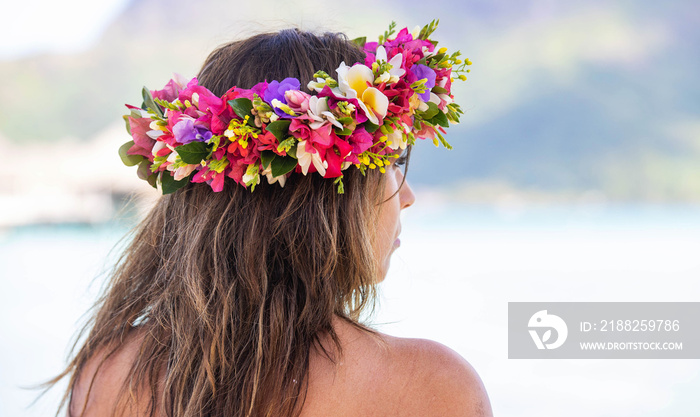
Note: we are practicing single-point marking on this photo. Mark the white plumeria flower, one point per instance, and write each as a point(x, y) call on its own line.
point(434, 98)
point(352, 83)
point(282, 179)
point(385, 77)
point(415, 32)
point(316, 85)
point(305, 159)
point(183, 172)
point(396, 71)
point(155, 134)
point(320, 113)
point(156, 131)
point(398, 139)
point(446, 98)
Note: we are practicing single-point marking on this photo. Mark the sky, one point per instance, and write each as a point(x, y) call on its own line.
point(36, 26)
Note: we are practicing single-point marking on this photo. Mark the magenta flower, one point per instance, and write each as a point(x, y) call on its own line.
point(172, 88)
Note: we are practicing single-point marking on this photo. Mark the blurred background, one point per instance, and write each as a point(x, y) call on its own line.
point(575, 176)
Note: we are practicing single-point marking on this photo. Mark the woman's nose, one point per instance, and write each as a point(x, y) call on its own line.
point(406, 195)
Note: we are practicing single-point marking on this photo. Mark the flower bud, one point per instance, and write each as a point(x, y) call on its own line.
point(297, 100)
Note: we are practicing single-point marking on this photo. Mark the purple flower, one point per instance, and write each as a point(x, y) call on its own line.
point(185, 132)
point(422, 71)
point(276, 90)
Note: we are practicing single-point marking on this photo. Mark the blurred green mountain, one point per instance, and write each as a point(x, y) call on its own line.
point(563, 97)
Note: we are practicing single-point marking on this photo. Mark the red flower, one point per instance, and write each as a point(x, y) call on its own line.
point(335, 155)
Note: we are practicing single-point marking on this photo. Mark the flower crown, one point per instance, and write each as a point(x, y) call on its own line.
point(365, 118)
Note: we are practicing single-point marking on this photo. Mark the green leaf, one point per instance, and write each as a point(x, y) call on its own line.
point(339, 182)
point(266, 157)
point(440, 119)
point(168, 183)
point(144, 170)
point(428, 29)
point(388, 33)
point(128, 126)
point(370, 127)
point(432, 111)
point(153, 180)
point(343, 132)
point(243, 107)
point(439, 90)
point(360, 41)
point(193, 152)
point(444, 142)
point(279, 128)
point(345, 120)
point(149, 103)
point(437, 57)
point(129, 160)
point(283, 165)
point(287, 144)
point(293, 151)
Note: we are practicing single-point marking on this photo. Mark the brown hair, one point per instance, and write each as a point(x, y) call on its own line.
point(233, 290)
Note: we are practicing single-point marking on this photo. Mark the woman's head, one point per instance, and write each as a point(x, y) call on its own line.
point(297, 54)
point(275, 56)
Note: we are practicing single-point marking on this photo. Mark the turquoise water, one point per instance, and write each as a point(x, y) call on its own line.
point(450, 281)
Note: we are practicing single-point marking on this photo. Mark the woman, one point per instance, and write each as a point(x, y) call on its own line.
point(241, 297)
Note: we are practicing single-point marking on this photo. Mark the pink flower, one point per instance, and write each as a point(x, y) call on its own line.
point(172, 88)
point(143, 144)
point(297, 100)
point(213, 178)
point(217, 183)
point(319, 135)
point(360, 141)
point(399, 94)
point(201, 99)
point(236, 171)
point(221, 118)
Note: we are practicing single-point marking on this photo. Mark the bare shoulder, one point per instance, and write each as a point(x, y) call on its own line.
point(438, 380)
point(96, 389)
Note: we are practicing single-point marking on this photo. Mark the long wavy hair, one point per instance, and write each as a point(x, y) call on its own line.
point(231, 292)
